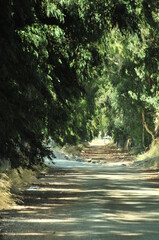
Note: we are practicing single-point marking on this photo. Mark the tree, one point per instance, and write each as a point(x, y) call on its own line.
point(131, 70)
point(46, 49)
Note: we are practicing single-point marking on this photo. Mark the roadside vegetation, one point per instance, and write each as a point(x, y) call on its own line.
point(13, 182)
point(74, 149)
point(150, 158)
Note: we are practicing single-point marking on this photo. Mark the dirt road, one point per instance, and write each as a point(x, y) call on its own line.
point(87, 203)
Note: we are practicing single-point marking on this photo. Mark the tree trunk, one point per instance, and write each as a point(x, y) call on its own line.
point(143, 138)
point(157, 125)
point(146, 127)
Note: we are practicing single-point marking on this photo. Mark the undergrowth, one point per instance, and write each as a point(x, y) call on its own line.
point(150, 158)
point(74, 149)
point(13, 182)
point(6, 198)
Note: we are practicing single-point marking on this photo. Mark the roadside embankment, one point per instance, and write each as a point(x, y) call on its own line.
point(149, 159)
point(13, 182)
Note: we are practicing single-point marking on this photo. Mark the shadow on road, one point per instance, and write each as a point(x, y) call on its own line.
point(110, 203)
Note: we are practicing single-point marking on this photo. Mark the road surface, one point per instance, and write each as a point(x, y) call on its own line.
point(88, 202)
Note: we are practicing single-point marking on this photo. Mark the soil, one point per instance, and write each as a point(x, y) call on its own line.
point(114, 202)
point(106, 154)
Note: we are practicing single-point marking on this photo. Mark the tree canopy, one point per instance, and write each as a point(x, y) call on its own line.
point(71, 68)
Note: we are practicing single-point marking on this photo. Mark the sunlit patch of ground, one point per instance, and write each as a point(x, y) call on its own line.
point(104, 152)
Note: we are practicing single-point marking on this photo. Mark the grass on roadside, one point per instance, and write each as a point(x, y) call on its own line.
point(6, 198)
point(13, 182)
point(74, 149)
point(150, 159)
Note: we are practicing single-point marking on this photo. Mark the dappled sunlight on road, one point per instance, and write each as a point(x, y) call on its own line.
point(87, 204)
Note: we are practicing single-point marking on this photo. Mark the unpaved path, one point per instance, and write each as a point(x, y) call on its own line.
point(98, 152)
point(87, 203)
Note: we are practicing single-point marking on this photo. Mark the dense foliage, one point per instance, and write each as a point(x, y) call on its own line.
point(69, 68)
point(130, 81)
point(47, 63)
